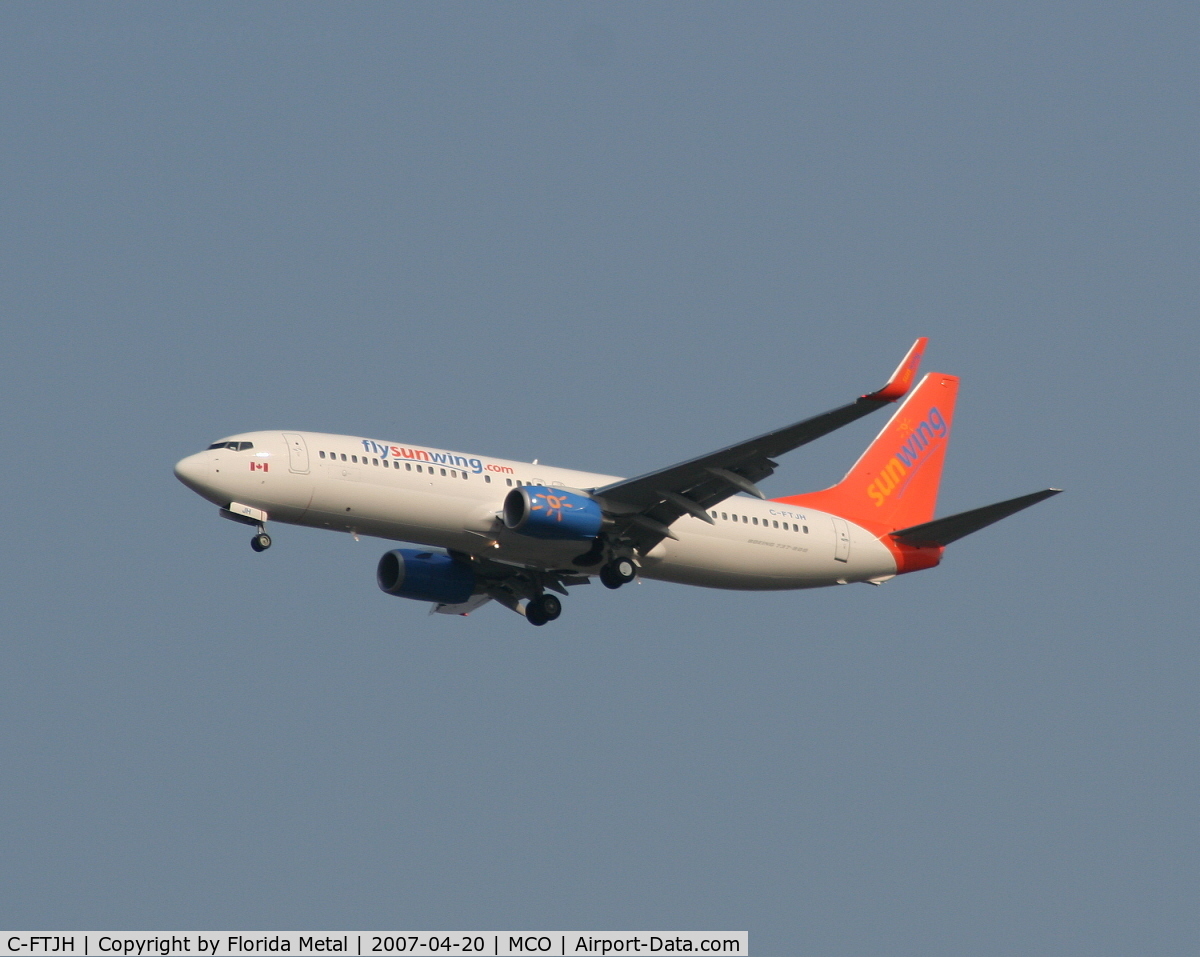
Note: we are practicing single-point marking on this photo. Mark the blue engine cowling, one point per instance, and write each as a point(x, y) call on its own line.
point(541, 512)
point(425, 576)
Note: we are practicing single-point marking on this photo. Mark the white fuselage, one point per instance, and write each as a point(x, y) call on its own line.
point(448, 500)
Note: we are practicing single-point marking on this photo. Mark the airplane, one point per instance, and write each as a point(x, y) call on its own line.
point(520, 532)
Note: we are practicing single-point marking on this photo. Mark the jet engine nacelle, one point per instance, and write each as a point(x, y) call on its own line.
point(541, 512)
point(425, 576)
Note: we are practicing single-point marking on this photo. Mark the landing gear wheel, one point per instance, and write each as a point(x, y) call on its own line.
point(618, 572)
point(260, 542)
point(542, 609)
point(624, 569)
point(551, 607)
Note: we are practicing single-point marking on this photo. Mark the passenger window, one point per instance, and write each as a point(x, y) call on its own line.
point(322, 454)
point(343, 456)
point(725, 517)
point(745, 520)
point(408, 466)
point(488, 479)
point(509, 481)
point(443, 471)
point(374, 461)
point(805, 529)
point(774, 524)
point(354, 459)
point(755, 520)
point(419, 469)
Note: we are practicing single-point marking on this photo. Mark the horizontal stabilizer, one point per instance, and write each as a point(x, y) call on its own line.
point(943, 531)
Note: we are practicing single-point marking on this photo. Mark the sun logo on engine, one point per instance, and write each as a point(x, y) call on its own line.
point(554, 505)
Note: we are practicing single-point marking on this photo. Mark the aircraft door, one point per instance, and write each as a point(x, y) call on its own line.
point(841, 539)
point(297, 453)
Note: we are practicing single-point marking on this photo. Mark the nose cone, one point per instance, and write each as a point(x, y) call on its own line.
point(194, 471)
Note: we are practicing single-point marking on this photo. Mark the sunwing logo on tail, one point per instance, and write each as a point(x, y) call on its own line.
point(909, 457)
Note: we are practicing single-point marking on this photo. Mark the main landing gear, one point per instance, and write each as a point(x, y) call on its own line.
point(618, 572)
point(262, 541)
point(542, 609)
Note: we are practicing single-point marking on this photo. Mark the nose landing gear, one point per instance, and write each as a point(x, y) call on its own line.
point(262, 541)
point(246, 515)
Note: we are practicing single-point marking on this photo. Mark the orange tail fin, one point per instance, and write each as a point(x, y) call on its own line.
point(895, 482)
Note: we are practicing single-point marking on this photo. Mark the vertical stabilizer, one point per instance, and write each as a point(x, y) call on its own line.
point(894, 484)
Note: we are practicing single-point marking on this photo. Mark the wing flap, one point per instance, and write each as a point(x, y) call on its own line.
point(463, 608)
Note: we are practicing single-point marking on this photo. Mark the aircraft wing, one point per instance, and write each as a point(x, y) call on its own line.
point(646, 506)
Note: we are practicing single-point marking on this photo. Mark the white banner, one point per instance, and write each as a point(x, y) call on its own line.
point(506, 943)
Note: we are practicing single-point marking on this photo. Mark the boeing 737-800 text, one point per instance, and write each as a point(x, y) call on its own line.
point(517, 532)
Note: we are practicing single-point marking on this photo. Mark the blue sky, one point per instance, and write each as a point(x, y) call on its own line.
point(609, 237)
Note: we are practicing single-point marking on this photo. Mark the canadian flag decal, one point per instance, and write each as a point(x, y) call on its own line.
point(260, 466)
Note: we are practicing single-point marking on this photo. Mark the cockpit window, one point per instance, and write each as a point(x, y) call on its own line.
point(232, 446)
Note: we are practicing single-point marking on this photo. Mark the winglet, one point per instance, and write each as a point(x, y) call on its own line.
point(903, 377)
